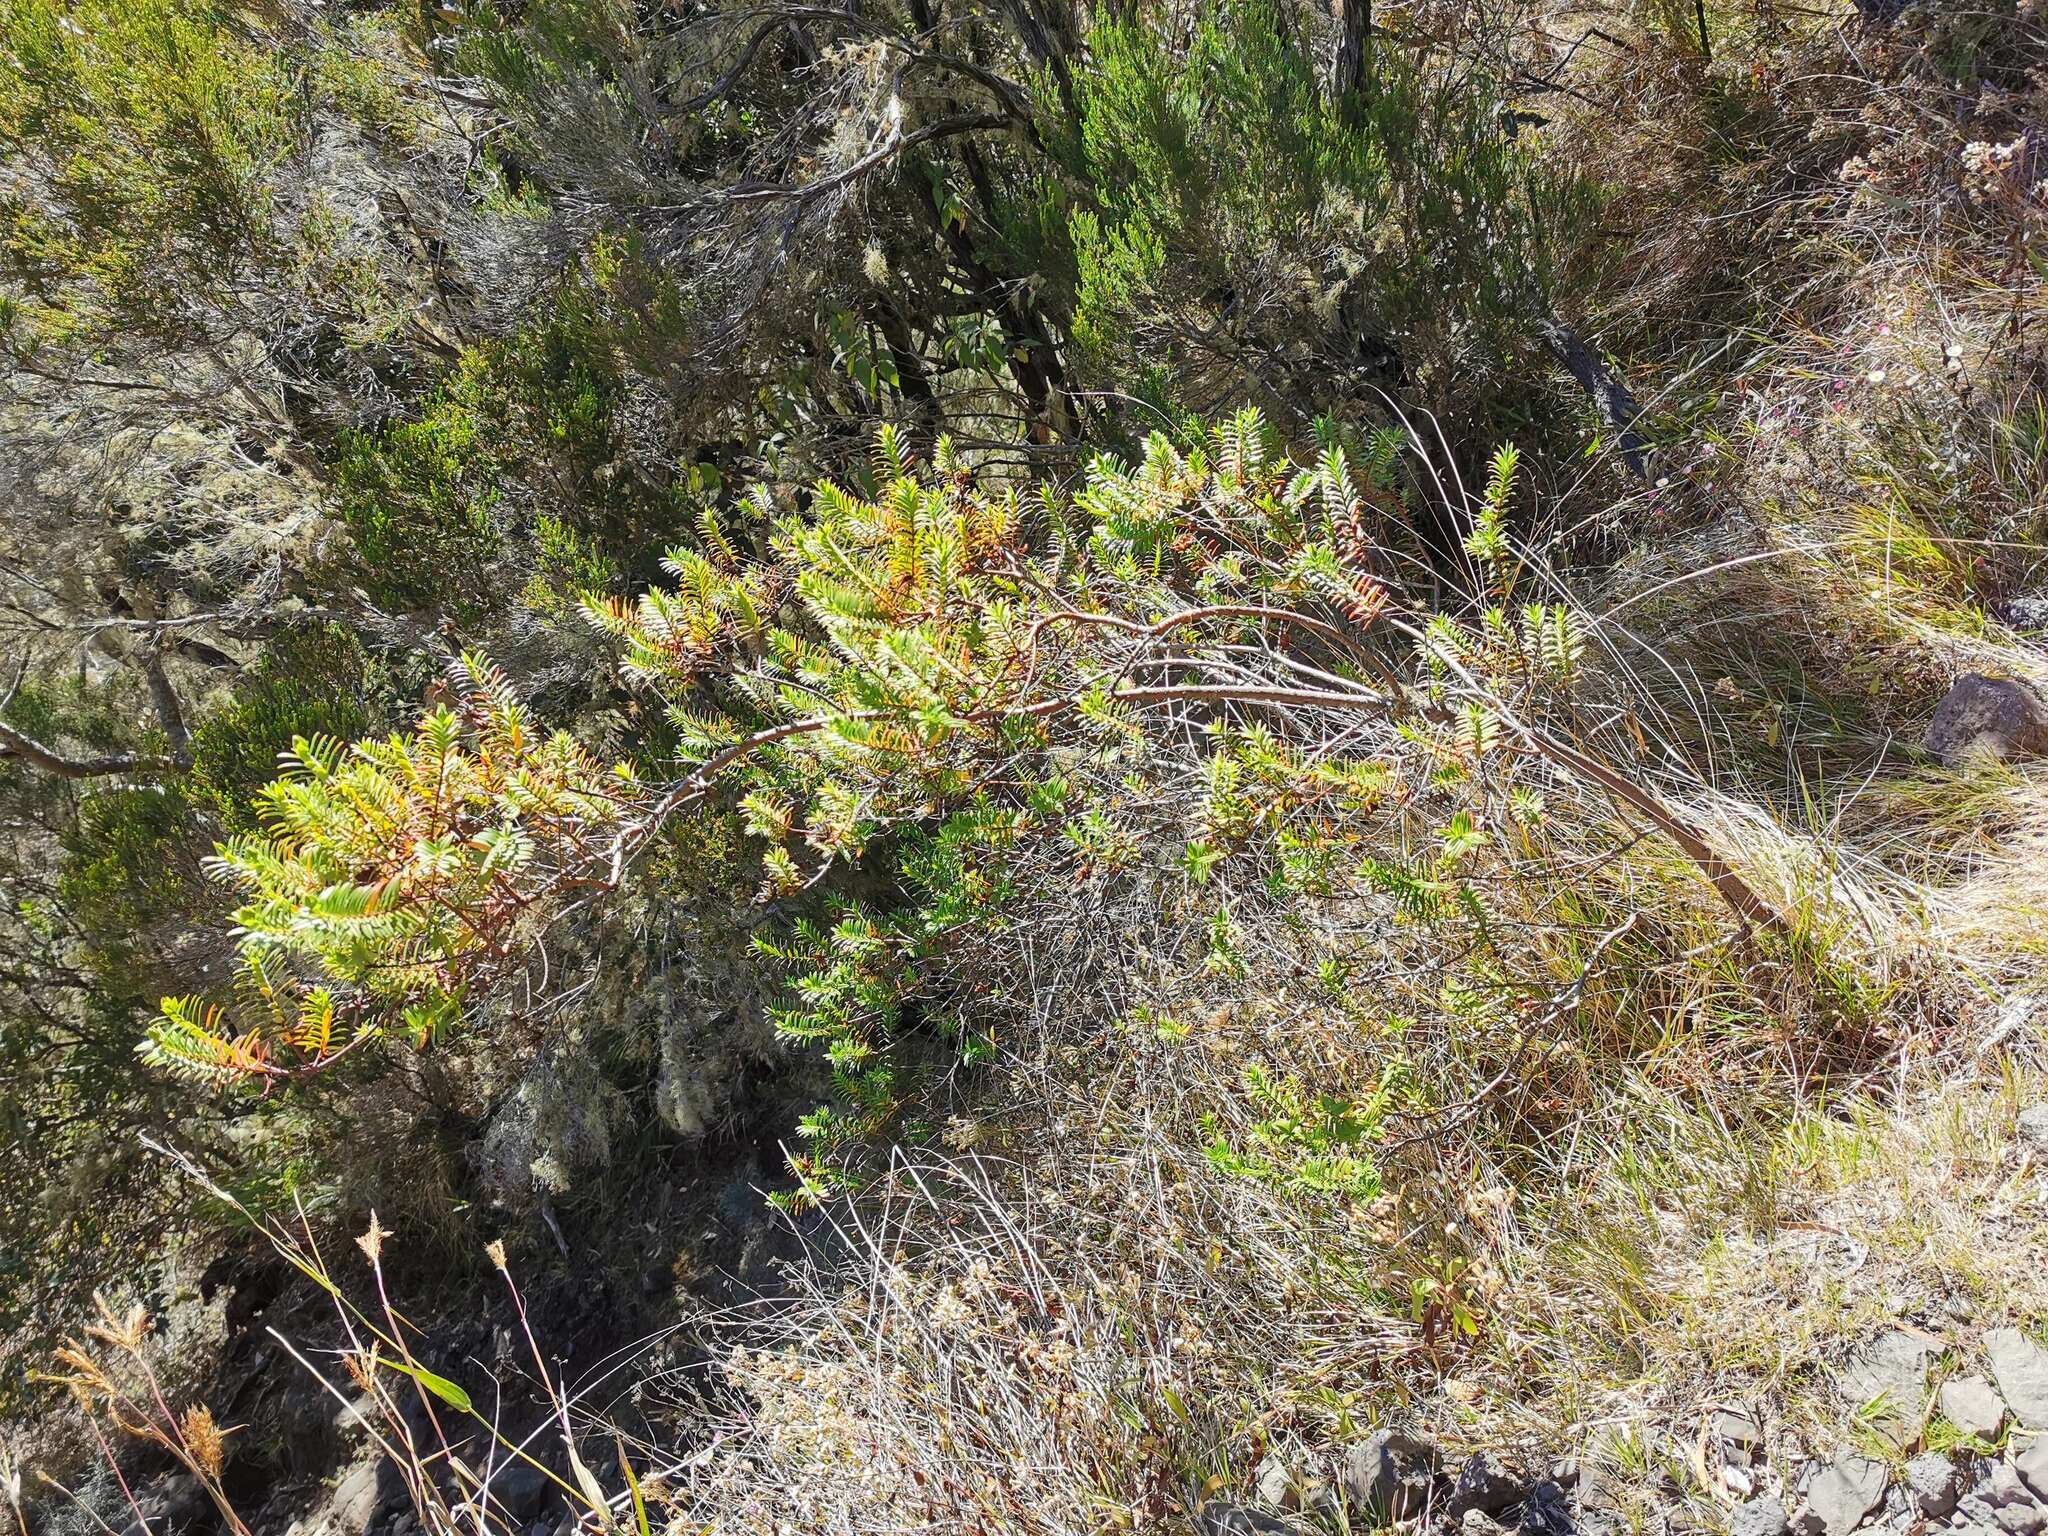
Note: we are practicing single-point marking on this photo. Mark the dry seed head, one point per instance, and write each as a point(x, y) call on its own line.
point(372, 1241)
point(359, 1368)
point(204, 1439)
point(124, 1332)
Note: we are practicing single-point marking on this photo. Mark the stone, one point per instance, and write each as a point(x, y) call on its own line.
point(1887, 1377)
point(2000, 716)
point(2020, 1367)
point(1276, 1483)
point(1759, 1517)
point(2032, 1466)
point(1897, 1511)
point(1738, 1436)
point(353, 1504)
point(2032, 1126)
point(1485, 1484)
point(1844, 1495)
point(168, 1504)
point(2002, 1501)
point(1547, 1511)
point(1218, 1518)
point(1391, 1475)
point(517, 1488)
point(1935, 1483)
point(2027, 613)
point(1973, 1405)
point(1477, 1522)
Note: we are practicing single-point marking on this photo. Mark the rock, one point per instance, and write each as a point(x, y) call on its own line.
point(353, 1504)
point(1759, 1517)
point(1276, 1483)
point(1973, 1405)
point(1485, 1484)
point(1996, 715)
point(2032, 1126)
point(1217, 1518)
point(2027, 613)
point(517, 1488)
point(1739, 1438)
point(1547, 1511)
point(1935, 1483)
point(1843, 1496)
point(2002, 1502)
point(171, 1503)
point(1391, 1474)
point(1897, 1512)
point(2032, 1466)
point(1888, 1377)
point(1476, 1522)
point(2020, 1367)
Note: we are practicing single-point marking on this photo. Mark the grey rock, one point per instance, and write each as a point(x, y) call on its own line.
point(353, 1504)
point(2002, 1501)
point(1889, 1376)
point(1898, 1510)
point(517, 1487)
point(2020, 1367)
point(1935, 1483)
point(2027, 613)
point(1276, 1483)
point(1391, 1474)
point(2032, 1466)
point(1476, 1522)
point(1973, 1405)
point(1218, 1518)
point(1547, 1511)
point(1759, 1517)
point(1739, 1438)
point(171, 1503)
point(2032, 1126)
point(1996, 715)
point(1485, 1484)
point(1843, 1495)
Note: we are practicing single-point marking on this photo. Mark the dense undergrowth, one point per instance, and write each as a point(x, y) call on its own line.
point(1006, 754)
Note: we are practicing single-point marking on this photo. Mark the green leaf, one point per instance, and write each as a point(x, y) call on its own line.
point(440, 1386)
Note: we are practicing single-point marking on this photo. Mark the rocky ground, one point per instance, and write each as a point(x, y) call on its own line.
point(1946, 1434)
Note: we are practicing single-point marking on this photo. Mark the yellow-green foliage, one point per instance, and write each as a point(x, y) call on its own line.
point(386, 877)
point(142, 134)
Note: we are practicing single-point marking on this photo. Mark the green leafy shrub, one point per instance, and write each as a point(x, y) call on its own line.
point(985, 706)
point(398, 871)
point(150, 129)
